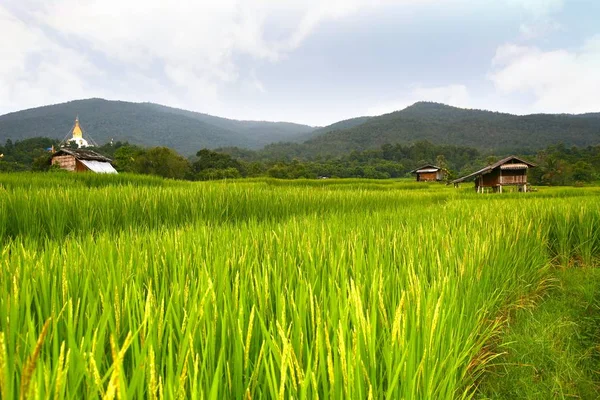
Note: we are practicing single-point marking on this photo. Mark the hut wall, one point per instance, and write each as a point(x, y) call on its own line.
point(426, 176)
point(514, 177)
point(80, 167)
point(491, 179)
point(66, 162)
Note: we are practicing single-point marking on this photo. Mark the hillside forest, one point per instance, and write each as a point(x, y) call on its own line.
point(556, 164)
point(153, 125)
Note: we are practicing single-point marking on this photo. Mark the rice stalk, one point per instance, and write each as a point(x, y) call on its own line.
point(31, 363)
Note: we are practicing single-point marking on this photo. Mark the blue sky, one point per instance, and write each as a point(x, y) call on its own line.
point(313, 62)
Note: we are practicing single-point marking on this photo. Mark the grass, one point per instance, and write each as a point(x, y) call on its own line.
point(266, 288)
point(552, 350)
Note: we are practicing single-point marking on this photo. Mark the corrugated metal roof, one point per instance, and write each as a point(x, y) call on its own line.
point(100, 167)
point(514, 166)
point(419, 171)
point(424, 167)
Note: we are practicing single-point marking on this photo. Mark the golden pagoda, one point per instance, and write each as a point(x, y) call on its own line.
point(77, 134)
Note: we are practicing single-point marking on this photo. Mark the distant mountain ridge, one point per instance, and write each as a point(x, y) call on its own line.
point(152, 124)
point(146, 124)
point(443, 124)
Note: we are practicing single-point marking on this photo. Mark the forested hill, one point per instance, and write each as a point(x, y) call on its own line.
point(150, 125)
point(441, 124)
point(345, 124)
point(146, 124)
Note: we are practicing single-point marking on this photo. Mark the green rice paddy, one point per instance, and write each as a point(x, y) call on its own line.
point(136, 287)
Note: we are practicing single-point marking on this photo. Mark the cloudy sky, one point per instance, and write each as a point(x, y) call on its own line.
point(307, 61)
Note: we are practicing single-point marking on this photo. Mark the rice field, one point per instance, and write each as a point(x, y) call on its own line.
point(136, 287)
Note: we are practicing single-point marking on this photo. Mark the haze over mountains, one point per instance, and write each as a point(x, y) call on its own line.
point(185, 131)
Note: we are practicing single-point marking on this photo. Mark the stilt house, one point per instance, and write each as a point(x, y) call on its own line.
point(510, 171)
point(430, 173)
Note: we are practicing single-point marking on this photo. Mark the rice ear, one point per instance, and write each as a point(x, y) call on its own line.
point(29, 366)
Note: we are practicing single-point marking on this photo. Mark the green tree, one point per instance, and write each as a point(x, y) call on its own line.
point(125, 157)
point(491, 160)
point(582, 172)
point(42, 162)
point(213, 161)
point(554, 171)
point(162, 161)
point(441, 161)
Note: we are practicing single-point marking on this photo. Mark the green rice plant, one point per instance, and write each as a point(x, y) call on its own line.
point(33, 180)
point(54, 213)
point(253, 289)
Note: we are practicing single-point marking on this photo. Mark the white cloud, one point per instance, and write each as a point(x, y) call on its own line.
point(538, 17)
point(34, 70)
point(454, 95)
point(188, 47)
point(559, 80)
point(194, 53)
point(539, 8)
point(538, 29)
point(256, 84)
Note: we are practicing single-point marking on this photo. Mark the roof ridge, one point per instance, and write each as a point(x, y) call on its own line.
point(84, 154)
point(425, 166)
point(493, 166)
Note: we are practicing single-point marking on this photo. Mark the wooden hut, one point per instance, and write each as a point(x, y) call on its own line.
point(82, 160)
point(430, 173)
point(510, 171)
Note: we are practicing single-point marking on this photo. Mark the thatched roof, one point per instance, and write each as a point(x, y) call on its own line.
point(522, 164)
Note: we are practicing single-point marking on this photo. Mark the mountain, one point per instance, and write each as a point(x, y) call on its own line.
point(345, 124)
point(441, 124)
point(186, 131)
point(263, 131)
point(146, 124)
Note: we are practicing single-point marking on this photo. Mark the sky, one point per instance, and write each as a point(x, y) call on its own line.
point(306, 61)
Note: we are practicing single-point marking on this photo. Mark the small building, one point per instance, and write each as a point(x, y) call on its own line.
point(510, 171)
point(82, 160)
point(430, 173)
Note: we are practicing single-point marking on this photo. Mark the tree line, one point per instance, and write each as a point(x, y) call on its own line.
point(557, 164)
